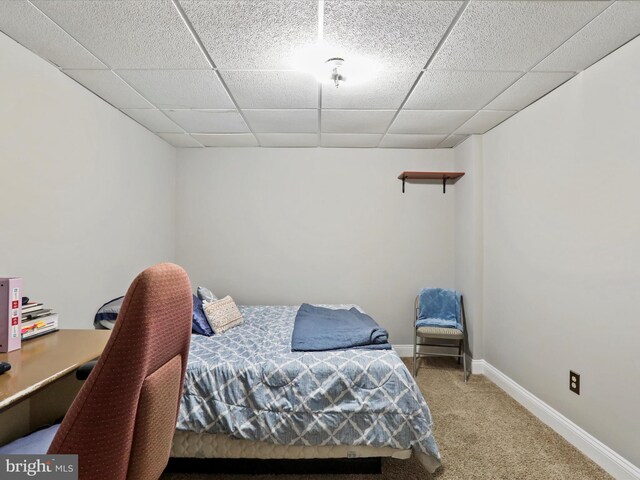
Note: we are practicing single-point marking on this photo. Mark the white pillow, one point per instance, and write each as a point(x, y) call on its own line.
point(223, 314)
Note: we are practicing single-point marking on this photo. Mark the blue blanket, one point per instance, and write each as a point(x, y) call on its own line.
point(439, 307)
point(319, 329)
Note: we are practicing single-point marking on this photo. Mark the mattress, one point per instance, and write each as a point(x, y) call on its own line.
point(247, 385)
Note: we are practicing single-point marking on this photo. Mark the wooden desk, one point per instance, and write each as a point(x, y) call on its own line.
point(40, 385)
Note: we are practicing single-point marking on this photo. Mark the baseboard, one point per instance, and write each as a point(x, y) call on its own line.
point(617, 466)
point(404, 350)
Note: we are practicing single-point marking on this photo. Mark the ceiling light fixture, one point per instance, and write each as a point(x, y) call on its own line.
point(335, 64)
point(328, 65)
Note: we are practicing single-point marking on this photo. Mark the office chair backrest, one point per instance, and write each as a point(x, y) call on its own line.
point(121, 424)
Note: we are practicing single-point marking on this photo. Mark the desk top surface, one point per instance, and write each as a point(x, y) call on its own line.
point(45, 359)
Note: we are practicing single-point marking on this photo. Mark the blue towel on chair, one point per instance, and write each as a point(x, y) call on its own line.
point(439, 307)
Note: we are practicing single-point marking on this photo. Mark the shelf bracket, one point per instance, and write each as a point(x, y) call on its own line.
point(403, 178)
point(444, 184)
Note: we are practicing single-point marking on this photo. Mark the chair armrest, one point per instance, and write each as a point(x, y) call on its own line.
point(83, 371)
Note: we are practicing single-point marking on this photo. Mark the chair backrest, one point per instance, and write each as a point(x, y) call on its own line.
point(463, 316)
point(122, 422)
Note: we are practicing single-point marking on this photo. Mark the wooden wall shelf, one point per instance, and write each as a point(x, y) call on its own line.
point(444, 176)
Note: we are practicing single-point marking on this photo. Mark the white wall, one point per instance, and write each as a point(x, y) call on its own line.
point(88, 195)
point(285, 226)
point(469, 249)
point(562, 248)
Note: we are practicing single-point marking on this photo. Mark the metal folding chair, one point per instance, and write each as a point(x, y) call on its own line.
point(452, 338)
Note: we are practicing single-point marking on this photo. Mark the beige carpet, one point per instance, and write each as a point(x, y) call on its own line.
point(482, 434)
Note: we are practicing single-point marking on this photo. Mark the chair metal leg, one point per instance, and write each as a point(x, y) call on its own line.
point(464, 362)
point(459, 352)
point(415, 358)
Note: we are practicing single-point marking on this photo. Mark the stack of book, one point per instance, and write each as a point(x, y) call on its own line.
point(37, 320)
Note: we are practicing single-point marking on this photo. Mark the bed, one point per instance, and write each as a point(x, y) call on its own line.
point(246, 395)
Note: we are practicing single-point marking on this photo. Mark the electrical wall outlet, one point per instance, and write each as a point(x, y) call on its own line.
point(574, 382)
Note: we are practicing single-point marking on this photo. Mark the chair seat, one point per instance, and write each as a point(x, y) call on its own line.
point(36, 443)
point(440, 332)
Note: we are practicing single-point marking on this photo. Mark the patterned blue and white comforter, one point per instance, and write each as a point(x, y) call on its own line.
point(247, 383)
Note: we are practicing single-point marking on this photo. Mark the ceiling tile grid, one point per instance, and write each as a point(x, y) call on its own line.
point(209, 121)
point(356, 121)
point(26, 24)
point(128, 34)
point(398, 35)
point(483, 121)
point(180, 140)
point(215, 73)
point(199, 89)
point(283, 121)
point(154, 120)
point(110, 87)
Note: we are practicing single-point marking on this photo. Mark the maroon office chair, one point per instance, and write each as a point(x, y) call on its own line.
point(122, 421)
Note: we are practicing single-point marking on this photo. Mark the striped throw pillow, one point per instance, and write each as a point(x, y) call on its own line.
point(223, 314)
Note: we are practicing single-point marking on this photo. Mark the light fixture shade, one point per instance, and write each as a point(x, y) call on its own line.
point(314, 58)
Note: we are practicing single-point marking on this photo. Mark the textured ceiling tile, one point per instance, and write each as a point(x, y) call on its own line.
point(254, 35)
point(511, 35)
point(209, 121)
point(179, 88)
point(430, 121)
point(282, 121)
point(483, 121)
point(384, 92)
point(527, 90)
point(358, 140)
point(154, 120)
point(356, 121)
point(227, 140)
point(275, 89)
point(27, 25)
point(411, 141)
point(615, 26)
point(397, 35)
point(452, 141)
point(442, 90)
point(180, 140)
point(109, 87)
point(128, 34)
point(288, 139)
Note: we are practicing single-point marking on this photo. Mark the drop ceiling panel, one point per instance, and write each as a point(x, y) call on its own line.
point(350, 140)
point(180, 140)
point(528, 89)
point(396, 35)
point(128, 34)
point(615, 26)
point(29, 26)
point(154, 120)
point(411, 141)
point(356, 121)
point(282, 121)
point(288, 139)
point(272, 89)
point(430, 121)
point(227, 140)
point(452, 141)
point(209, 121)
point(512, 35)
point(383, 92)
point(110, 87)
point(254, 35)
point(483, 121)
point(450, 90)
point(180, 88)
